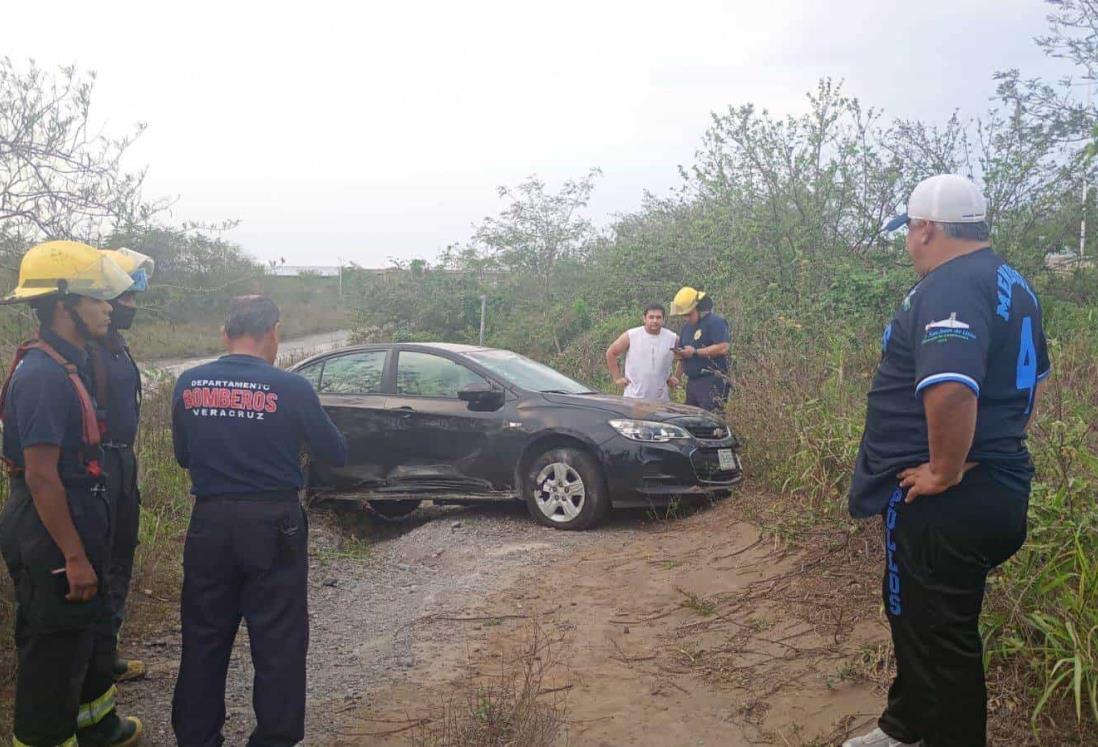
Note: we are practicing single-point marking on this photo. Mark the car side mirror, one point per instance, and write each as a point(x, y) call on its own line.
point(481, 397)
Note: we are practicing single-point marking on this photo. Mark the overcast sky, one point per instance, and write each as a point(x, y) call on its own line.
point(366, 131)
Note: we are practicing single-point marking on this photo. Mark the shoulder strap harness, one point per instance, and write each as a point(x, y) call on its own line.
point(101, 379)
point(90, 425)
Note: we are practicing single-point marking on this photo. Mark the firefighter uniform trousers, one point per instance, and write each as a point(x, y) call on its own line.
point(939, 550)
point(120, 466)
point(244, 557)
point(708, 391)
point(65, 649)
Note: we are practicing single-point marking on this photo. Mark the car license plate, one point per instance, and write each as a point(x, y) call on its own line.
point(727, 459)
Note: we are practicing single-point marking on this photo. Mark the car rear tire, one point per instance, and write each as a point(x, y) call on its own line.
point(564, 489)
point(393, 510)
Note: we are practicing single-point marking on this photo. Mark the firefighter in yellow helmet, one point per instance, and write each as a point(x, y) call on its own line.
point(702, 351)
point(55, 524)
point(116, 385)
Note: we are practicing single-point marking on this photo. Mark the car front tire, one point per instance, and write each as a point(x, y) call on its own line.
point(564, 489)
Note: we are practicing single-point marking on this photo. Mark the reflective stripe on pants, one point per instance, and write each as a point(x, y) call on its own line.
point(70, 742)
point(92, 713)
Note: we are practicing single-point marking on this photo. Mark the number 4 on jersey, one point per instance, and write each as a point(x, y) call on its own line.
point(1026, 377)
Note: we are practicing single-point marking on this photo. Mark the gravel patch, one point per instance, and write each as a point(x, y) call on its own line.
point(371, 582)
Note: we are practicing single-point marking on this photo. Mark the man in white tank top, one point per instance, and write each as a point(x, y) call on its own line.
point(649, 356)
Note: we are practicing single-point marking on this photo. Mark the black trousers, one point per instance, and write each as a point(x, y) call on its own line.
point(244, 558)
point(707, 392)
point(65, 649)
point(939, 552)
point(120, 465)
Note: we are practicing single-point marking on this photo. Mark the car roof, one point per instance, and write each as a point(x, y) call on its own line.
point(451, 347)
point(442, 347)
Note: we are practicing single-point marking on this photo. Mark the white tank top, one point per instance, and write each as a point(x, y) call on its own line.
point(648, 363)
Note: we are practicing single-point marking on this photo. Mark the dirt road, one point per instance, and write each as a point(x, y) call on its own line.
point(692, 631)
point(298, 347)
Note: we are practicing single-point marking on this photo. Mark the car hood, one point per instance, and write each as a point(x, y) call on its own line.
point(639, 409)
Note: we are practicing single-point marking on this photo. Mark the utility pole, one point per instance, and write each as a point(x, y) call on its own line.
point(1083, 221)
point(483, 312)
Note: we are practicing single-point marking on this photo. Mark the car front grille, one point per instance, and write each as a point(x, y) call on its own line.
point(706, 429)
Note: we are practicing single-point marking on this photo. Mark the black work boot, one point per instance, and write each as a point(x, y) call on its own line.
point(127, 669)
point(112, 731)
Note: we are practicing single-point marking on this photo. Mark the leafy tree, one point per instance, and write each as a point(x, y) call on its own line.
point(537, 232)
point(58, 179)
point(196, 272)
point(1073, 33)
point(539, 228)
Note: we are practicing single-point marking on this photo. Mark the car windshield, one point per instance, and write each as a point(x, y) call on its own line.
point(527, 374)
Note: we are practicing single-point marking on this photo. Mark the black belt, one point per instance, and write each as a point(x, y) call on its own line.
point(267, 496)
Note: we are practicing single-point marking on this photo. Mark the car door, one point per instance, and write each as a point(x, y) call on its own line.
point(351, 389)
point(441, 444)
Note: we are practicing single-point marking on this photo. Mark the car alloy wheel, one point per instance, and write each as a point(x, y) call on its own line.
point(560, 492)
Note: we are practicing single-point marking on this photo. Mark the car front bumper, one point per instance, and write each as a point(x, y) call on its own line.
point(647, 474)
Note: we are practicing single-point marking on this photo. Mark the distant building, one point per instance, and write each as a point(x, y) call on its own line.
point(1066, 261)
point(293, 271)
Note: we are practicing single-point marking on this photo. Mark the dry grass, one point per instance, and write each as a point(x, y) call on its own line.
point(165, 513)
point(696, 604)
point(517, 707)
point(7, 657)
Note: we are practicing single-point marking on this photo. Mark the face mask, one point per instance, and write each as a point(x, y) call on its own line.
point(122, 316)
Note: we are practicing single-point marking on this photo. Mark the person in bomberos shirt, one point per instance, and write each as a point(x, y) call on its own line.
point(649, 356)
point(238, 427)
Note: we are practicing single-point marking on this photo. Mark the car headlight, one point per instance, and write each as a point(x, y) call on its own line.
point(648, 430)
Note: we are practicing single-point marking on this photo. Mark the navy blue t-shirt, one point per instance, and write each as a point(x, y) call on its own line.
point(239, 423)
point(973, 320)
point(123, 398)
point(43, 409)
point(710, 330)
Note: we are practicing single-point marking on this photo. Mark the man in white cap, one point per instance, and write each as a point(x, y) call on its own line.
point(943, 459)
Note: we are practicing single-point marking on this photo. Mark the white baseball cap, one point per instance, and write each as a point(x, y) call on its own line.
point(946, 198)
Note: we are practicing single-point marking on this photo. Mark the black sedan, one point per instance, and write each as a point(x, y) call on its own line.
point(459, 424)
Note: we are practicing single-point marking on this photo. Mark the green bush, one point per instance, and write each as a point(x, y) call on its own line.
point(1044, 613)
